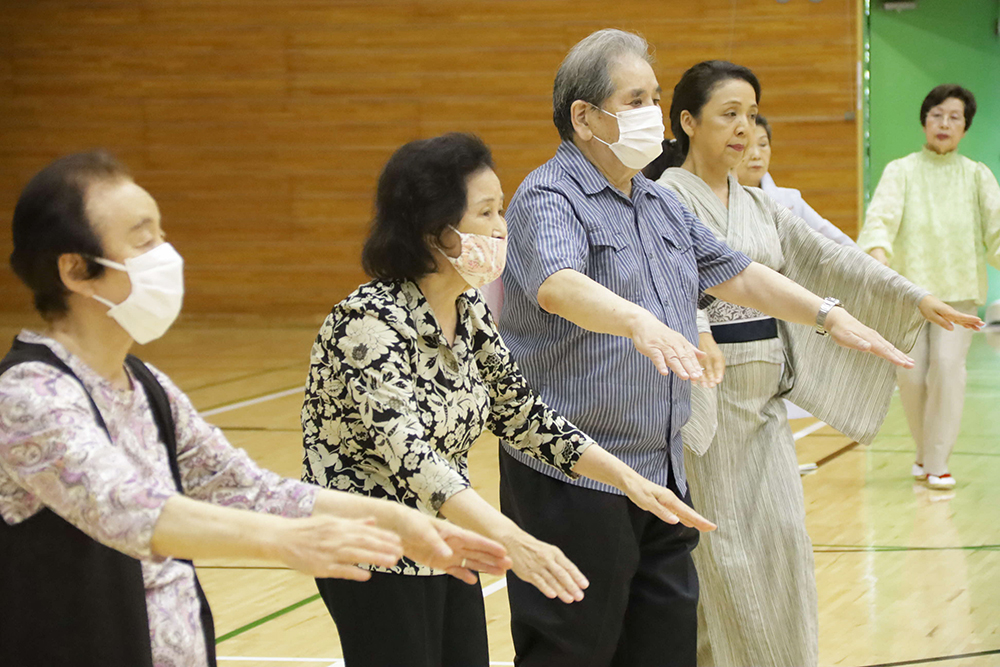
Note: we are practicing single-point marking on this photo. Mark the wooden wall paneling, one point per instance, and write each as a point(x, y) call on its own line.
point(261, 127)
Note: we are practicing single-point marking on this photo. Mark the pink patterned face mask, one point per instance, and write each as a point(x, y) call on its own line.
point(482, 258)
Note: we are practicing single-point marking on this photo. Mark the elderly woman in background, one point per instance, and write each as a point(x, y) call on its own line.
point(110, 481)
point(935, 218)
point(601, 260)
point(759, 602)
point(406, 373)
point(753, 171)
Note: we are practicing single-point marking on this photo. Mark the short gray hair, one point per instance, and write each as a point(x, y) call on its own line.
point(585, 73)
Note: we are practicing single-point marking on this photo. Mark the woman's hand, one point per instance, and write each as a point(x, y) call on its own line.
point(545, 567)
point(848, 332)
point(879, 254)
point(714, 362)
point(422, 538)
point(662, 502)
point(668, 350)
point(937, 311)
point(327, 546)
point(445, 546)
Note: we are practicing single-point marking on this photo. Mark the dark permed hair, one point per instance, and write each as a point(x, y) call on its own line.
point(422, 190)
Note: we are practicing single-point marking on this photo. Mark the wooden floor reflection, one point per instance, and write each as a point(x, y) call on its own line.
point(906, 575)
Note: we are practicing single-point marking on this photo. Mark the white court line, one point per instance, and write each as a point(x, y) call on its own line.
point(812, 428)
point(331, 662)
point(497, 585)
point(335, 661)
point(252, 401)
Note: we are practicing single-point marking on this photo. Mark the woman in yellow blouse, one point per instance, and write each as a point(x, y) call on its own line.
point(935, 218)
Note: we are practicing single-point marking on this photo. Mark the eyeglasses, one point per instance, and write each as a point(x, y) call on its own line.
point(938, 117)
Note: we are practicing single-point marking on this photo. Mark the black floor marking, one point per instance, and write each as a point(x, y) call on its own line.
point(843, 450)
point(924, 661)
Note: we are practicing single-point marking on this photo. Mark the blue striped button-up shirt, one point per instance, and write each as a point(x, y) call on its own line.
point(648, 249)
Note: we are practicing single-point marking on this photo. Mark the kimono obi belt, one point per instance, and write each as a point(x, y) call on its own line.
point(745, 331)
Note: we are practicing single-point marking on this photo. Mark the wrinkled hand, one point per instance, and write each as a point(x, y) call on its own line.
point(848, 332)
point(326, 546)
point(445, 546)
point(662, 502)
point(879, 254)
point(668, 350)
point(714, 362)
point(546, 568)
point(937, 311)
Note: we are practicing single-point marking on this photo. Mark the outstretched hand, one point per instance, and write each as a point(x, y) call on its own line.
point(848, 332)
point(546, 567)
point(662, 502)
point(667, 349)
point(445, 546)
point(714, 362)
point(937, 311)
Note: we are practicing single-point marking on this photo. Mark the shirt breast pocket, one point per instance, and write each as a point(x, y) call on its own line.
point(680, 266)
point(613, 263)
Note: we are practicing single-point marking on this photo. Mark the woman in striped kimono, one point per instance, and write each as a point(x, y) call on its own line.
point(758, 590)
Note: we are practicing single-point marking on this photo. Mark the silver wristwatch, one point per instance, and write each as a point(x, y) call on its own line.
point(829, 303)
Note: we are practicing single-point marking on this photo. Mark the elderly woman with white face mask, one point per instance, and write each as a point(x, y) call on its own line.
point(407, 372)
point(605, 269)
point(110, 481)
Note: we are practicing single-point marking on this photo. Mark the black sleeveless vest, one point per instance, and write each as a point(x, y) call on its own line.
point(67, 599)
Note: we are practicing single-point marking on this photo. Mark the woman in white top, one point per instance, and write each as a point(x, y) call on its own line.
point(935, 218)
point(752, 171)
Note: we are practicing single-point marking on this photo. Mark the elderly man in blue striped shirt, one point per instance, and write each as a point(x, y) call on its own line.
point(604, 273)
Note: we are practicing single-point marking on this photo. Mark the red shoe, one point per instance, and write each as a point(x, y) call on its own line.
point(941, 482)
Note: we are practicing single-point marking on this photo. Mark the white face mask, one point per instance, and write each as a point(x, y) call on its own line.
point(640, 136)
point(157, 292)
point(482, 258)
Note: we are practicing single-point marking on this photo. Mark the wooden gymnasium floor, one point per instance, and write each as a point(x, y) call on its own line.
point(907, 576)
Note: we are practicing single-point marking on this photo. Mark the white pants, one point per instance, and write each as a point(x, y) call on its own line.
point(933, 391)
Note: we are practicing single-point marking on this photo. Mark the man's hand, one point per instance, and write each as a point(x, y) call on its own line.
point(668, 350)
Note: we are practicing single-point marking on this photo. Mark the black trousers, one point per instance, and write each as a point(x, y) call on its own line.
point(641, 607)
point(395, 620)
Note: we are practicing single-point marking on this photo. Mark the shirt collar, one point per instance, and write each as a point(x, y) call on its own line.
point(937, 158)
point(589, 177)
point(423, 317)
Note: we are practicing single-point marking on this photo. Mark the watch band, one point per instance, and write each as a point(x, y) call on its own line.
point(829, 303)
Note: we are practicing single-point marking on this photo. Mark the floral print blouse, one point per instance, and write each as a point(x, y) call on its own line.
point(54, 454)
point(391, 408)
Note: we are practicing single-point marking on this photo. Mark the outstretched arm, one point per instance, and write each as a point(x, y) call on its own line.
point(590, 305)
point(772, 293)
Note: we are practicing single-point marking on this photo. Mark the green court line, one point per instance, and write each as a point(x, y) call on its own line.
point(859, 548)
point(265, 619)
point(910, 451)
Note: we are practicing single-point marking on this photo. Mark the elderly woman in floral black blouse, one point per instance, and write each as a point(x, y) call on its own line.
point(405, 374)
